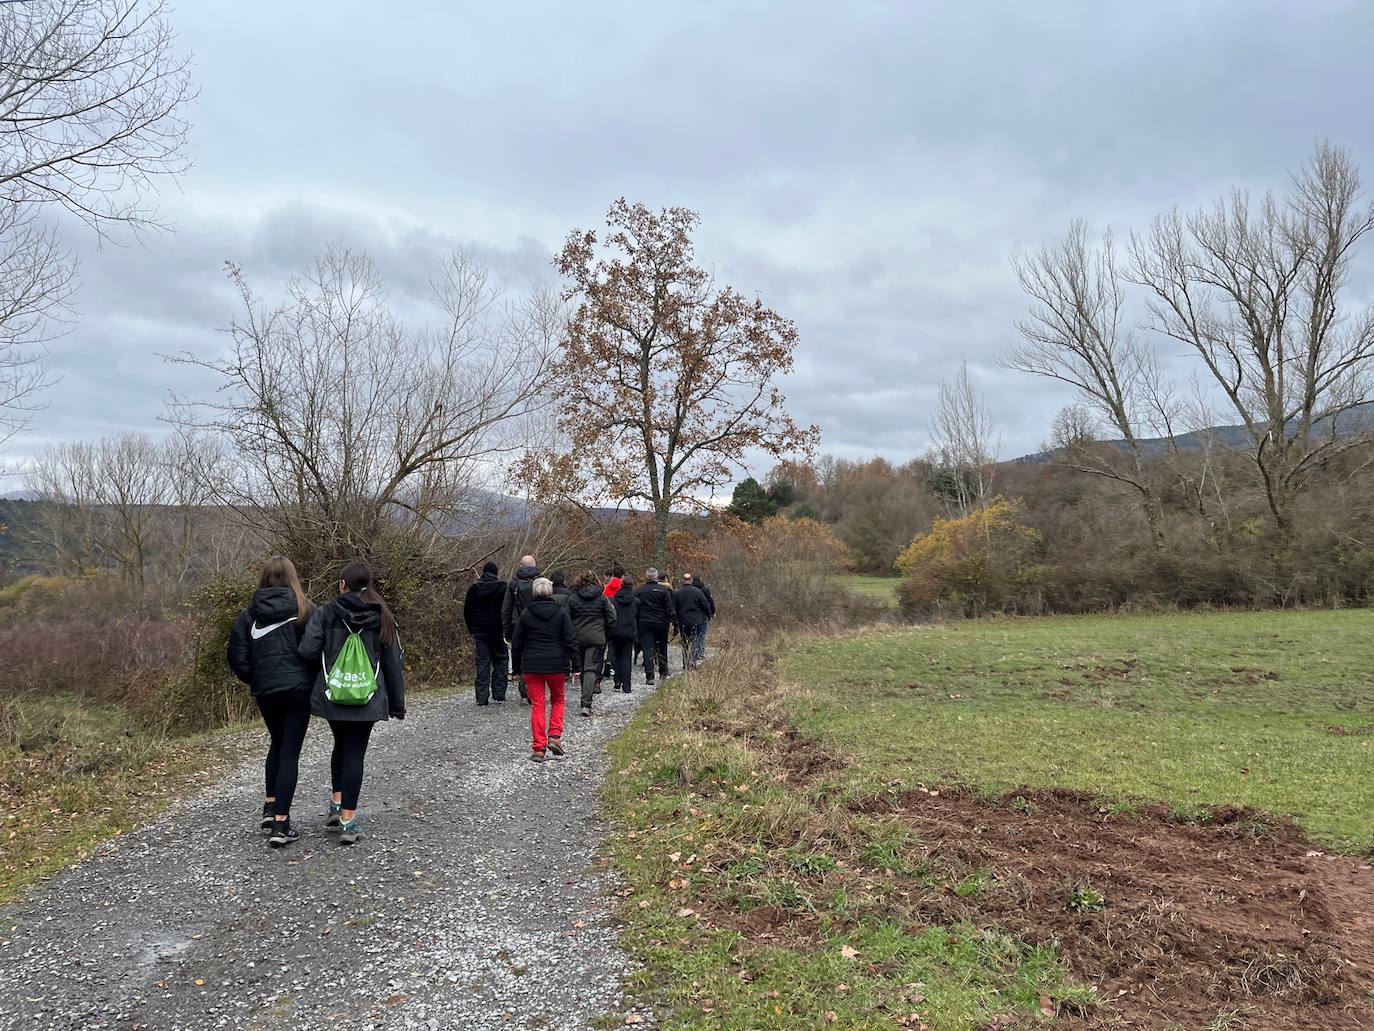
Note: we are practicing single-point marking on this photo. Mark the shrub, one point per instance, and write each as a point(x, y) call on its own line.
point(782, 572)
point(986, 561)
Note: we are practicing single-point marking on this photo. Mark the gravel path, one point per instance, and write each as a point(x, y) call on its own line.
point(472, 901)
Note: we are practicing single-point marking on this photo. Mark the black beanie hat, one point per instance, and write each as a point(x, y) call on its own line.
point(491, 567)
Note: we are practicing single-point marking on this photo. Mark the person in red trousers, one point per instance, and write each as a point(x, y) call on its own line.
point(543, 647)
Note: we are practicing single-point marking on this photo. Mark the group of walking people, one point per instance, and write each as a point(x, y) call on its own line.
point(548, 632)
point(342, 661)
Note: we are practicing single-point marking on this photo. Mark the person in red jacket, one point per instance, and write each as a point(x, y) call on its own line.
point(613, 585)
point(614, 581)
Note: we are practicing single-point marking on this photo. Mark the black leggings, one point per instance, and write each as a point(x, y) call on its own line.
point(346, 762)
point(287, 715)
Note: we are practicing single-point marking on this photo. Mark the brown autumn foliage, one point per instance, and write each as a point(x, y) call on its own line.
point(674, 376)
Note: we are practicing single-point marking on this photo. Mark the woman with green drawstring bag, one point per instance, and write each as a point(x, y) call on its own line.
point(353, 644)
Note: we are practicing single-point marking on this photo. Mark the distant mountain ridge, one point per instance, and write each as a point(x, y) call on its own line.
point(1359, 419)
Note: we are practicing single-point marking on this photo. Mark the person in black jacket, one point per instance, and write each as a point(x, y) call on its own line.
point(592, 616)
point(517, 598)
point(657, 614)
point(358, 609)
point(482, 617)
point(263, 653)
point(560, 587)
point(625, 632)
point(711, 603)
point(545, 647)
point(693, 613)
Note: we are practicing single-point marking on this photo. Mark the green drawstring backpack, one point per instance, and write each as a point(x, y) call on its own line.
point(352, 681)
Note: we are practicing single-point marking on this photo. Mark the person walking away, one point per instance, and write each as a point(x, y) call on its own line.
point(657, 614)
point(264, 652)
point(613, 584)
point(517, 598)
point(693, 612)
point(358, 685)
point(545, 647)
point(624, 633)
point(593, 618)
point(482, 616)
point(615, 581)
point(560, 587)
point(710, 604)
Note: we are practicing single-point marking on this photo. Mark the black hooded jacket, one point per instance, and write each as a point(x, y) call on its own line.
point(709, 600)
point(519, 593)
point(544, 641)
point(693, 607)
point(263, 645)
point(482, 607)
point(592, 615)
point(324, 638)
point(656, 606)
point(626, 614)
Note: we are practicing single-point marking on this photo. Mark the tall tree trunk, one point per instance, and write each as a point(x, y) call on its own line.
point(661, 513)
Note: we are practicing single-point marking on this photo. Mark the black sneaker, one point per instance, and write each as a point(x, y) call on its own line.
point(268, 816)
point(349, 832)
point(649, 681)
point(499, 701)
point(282, 834)
point(587, 711)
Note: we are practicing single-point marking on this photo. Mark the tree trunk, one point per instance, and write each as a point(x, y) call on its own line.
point(661, 513)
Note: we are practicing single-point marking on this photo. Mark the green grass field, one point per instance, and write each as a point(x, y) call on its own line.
point(763, 893)
point(1274, 710)
point(882, 589)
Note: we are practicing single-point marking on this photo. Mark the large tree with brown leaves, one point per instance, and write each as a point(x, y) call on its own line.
point(670, 378)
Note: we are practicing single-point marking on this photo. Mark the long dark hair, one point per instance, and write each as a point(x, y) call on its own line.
point(357, 577)
point(279, 571)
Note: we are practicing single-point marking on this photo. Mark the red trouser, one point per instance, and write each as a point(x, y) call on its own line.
point(534, 684)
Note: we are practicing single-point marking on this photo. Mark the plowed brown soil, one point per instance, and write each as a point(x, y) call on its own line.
point(1235, 916)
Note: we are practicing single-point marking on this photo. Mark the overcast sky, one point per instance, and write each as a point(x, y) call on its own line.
point(867, 168)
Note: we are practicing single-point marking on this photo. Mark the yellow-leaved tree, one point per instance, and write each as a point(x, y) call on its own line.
point(986, 561)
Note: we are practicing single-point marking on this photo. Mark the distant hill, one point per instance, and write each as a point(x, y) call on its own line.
point(1359, 419)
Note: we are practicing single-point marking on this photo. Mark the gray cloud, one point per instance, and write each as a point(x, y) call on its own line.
point(867, 168)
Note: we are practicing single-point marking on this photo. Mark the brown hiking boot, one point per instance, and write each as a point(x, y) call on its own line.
point(556, 747)
point(537, 755)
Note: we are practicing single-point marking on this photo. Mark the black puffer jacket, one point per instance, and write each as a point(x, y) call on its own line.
point(656, 606)
point(264, 644)
point(592, 615)
point(626, 614)
point(693, 609)
point(324, 638)
point(519, 593)
point(543, 641)
point(482, 607)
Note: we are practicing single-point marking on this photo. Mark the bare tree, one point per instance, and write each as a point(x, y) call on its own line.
point(91, 101)
point(1256, 291)
point(1074, 334)
point(965, 443)
point(104, 500)
point(341, 424)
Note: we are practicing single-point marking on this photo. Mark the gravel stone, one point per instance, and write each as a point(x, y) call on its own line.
point(472, 901)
